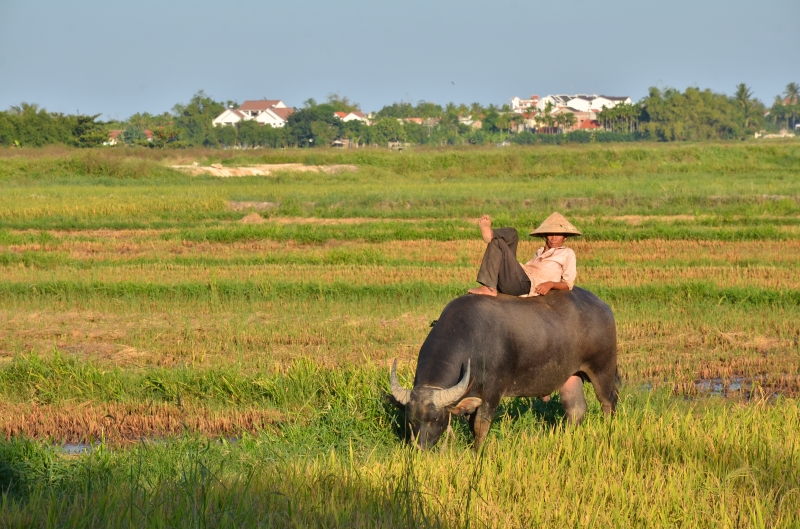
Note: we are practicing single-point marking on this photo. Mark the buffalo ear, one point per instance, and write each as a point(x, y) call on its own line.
point(389, 398)
point(466, 406)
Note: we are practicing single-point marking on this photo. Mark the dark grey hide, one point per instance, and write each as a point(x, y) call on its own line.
point(510, 347)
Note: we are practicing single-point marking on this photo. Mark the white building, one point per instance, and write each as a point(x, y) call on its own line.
point(230, 116)
point(522, 105)
point(583, 102)
point(275, 117)
point(352, 116)
point(267, 112)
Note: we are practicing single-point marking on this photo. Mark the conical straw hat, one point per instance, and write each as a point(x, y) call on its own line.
point(556, 224)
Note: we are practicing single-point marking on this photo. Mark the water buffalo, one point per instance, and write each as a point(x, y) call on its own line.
point(483, 348)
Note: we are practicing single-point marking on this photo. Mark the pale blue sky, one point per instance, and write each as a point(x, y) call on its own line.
point(117, 58)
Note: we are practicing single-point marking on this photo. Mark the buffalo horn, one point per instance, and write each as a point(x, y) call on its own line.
point(401, 394)
point(446, 397)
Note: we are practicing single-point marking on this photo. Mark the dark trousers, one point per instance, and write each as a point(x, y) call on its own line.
point(500, 268)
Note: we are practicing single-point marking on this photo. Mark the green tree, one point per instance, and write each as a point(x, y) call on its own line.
point(133, 134)
point(743, 97)
point(387, 129)
point(34, 126)
point(426, 109)
point(504, 122)
point(792, 93)
point(248, 135)
point(355, 131)
point(545, 118)
point(476, 110)
point(227, 135)
point(693, 115)
point(147, 121)
point(194, 119)
point(397, 110)
point(87, 132)
point(341, 103)
point(324, 133)
point(566, 121)
point(415, 132)
point(302, 132)
point(491, 120)
point(166, 137)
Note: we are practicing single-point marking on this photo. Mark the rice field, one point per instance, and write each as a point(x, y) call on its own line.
point(180, 351)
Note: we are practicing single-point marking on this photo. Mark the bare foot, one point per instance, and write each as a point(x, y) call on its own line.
point(485, 222)
point(483, 290)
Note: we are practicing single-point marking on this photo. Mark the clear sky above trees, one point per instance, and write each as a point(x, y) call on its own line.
point(119, 58)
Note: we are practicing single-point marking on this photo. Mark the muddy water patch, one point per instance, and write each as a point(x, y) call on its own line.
point(746, 388)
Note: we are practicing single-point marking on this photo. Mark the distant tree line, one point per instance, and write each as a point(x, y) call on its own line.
point(669, 115)
point(663, 115)
point(29, 125)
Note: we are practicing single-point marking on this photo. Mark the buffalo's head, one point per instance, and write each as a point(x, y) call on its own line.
point(427, 409)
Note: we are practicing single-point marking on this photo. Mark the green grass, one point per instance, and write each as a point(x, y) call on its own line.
point(131, 292)
point(659, 463)
point(417, 292)
point(112, 189)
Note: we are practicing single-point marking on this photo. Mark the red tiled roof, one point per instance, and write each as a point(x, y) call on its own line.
point(589, 124)
point(261, 104)
point(358, 113)
point(341, 114)
point(283, 113)
point(114, 134)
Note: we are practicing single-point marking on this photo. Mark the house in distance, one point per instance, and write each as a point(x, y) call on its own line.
point(355, 115)
point(272, 112)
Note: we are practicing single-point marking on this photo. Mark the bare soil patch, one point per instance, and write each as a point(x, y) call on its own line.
point(262, 170)
point(257, 206)
point(253, 218)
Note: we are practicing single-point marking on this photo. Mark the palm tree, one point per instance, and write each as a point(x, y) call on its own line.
point(743, 97)
point(569, 120)
point(559, 122)
point(23, 108)
point(544, 117)
point(792, 93)
point(778, 112)
point(515, 120)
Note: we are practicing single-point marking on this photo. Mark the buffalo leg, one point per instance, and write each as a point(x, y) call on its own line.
point(479, 423)
point(605, 387)
point(573, 400)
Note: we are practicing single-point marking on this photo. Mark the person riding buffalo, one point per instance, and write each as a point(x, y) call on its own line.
point(553, 267)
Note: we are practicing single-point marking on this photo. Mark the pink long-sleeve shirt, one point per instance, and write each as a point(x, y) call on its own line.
point(555, 264)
